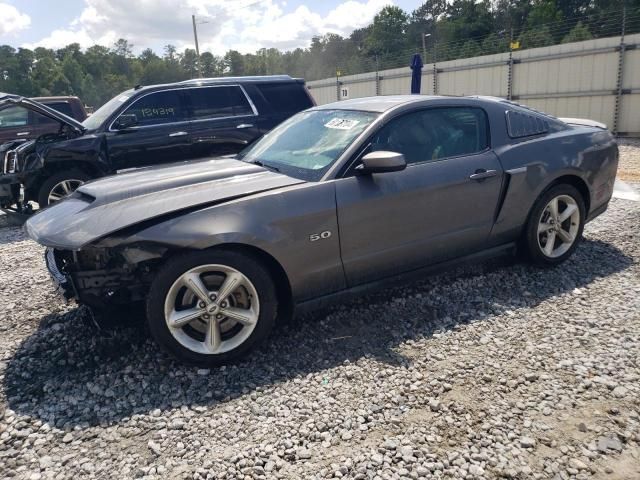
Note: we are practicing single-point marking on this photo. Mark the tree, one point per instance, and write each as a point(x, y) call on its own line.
point(234, 63)
point(189, 63)
point(539, 37)
point(388, 31)
point(210, 65)
point(123, 48)
point(577, 34)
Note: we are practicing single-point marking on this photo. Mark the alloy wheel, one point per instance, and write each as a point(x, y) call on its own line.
point(212, 309)
point(63, 188)
point(558, 226)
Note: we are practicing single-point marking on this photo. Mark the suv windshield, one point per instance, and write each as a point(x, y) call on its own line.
point(306, 145)
point(99, 116)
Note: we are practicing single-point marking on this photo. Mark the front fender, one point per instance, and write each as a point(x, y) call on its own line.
point(280, 223)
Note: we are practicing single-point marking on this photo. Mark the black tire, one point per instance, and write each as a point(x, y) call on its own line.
point(50, 182)
point(531, 242)
point(250, 267)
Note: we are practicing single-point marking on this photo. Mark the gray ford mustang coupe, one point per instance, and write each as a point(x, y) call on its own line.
point(336, 199)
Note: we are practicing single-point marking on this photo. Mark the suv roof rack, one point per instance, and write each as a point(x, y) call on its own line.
point(257, 78)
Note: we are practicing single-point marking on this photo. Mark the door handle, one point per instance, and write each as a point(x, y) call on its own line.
point(245, 125)
point(22, 134)
point(178, 134)
point(481, 174)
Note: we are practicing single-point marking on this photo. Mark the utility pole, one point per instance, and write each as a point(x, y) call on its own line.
point(195, 37)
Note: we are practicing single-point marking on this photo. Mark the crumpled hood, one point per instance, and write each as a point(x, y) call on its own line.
point(110, 204)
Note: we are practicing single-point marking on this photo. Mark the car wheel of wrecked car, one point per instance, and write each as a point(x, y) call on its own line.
point(555, 225)
point(59, 185)
point(211, 307)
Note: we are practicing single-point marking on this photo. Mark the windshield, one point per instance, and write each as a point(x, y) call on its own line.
point(306, 145)
point(99, 116)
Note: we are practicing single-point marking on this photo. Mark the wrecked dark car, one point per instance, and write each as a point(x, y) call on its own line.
point(147, 125)
point(333, 201)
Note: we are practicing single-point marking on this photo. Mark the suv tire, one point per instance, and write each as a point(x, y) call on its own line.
point(59, 185)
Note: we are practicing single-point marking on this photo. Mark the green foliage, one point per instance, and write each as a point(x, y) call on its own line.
point(579, 33)
point(536, 37)
point(453, 28)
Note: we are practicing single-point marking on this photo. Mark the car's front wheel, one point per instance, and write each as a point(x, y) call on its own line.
point(555, 225)
point(59, 185)
point(211, 307)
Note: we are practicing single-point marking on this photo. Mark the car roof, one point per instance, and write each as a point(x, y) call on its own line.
point(222, 80)
point(383, 103)
point(54, 99)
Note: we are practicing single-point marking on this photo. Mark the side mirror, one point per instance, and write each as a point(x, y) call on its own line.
point(125, 121)
point(381, 161)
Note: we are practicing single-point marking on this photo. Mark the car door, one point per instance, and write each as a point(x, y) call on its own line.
point(440, 207)
point(160, 134)
point(223, 120)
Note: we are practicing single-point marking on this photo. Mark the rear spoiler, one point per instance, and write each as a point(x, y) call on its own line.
point(583, 122)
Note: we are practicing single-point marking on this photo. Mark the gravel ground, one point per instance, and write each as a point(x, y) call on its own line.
point(629, 167)
point(499, 370)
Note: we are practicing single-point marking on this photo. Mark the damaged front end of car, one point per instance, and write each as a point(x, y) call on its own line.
point(102, 277)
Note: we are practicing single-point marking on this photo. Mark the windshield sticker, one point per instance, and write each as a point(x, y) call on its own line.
point(342, 123)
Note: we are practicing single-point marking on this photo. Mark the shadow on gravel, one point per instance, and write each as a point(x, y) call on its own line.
point(68, 374)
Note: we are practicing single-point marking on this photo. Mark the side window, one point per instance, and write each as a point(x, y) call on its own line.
point(62, 107)
point(435, 133)
point(13, 117)
point(214, 102)
point(521, 124)
point(158, 108)
point(285, 97)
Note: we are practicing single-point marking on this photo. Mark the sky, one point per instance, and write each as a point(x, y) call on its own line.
point(244, 25)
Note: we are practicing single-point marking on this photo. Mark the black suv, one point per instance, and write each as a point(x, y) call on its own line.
point(146, 126)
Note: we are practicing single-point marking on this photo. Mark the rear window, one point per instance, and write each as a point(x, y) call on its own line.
point(286, 97)
point(215, 102)
point(521, 124)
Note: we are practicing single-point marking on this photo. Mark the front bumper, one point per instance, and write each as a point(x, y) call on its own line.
point(62, 283)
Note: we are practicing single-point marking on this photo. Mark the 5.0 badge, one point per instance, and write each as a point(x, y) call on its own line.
point(314, 237)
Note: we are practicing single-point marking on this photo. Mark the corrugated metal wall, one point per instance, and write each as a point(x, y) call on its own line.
point(571, 80)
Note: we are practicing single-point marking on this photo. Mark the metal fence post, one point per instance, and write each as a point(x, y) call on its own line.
point(435, 68)
point(377, 77)
point(620, 79)
point(337, 85)
point(510, 76)
point(435, 79)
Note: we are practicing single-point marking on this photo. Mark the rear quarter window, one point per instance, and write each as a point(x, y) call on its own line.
point(521, 124)
point(285, 97)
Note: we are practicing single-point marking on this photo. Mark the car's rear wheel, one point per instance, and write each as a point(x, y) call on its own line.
point(59, 185)
point(211, 307)
point(555, 225)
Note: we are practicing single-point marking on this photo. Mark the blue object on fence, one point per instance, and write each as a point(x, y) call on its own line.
point(416, 75)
